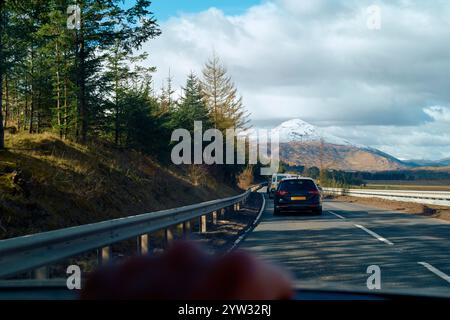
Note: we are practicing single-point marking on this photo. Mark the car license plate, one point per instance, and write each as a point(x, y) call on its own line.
point(298, 198)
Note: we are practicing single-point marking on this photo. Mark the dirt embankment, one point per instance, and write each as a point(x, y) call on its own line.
point(47, 183)
point(439, 212)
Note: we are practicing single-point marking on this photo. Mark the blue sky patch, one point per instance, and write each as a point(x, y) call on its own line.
point(165, 9)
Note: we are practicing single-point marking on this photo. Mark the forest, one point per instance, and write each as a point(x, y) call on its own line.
point(86, 81)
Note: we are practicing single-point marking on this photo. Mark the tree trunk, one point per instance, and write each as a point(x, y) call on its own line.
point(25, 111)
point(81, 82)
point(116, 125)
point(38, 111)
point(32, 93)
point(2, 132)
point(58, 93)
point(6, 101)
point(30, 123)
point(16, 104)
point(65, 108)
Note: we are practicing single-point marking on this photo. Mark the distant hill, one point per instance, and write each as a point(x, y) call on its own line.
point(304, 144)
point(435, 168)
point(428, 163)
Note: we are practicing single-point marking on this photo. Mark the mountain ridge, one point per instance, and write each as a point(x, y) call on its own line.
point(301, 143)
point(428, 163)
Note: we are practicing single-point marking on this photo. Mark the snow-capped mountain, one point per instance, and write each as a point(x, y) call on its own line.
point(297, 130)
point(301, 144)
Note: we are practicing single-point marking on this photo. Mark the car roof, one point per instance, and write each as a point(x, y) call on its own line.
point(299, 178)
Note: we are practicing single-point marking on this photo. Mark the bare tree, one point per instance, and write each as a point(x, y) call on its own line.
point(221, 97)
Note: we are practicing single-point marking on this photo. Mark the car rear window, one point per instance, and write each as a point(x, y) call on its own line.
point(297, 185)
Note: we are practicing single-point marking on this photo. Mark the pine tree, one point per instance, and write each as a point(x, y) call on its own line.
point(191, 106)
point(166, 100)
point(221, 97)
point(11, 33)
point(103, 24)
point(121, 77)
point(56, 76)
point(59, 54)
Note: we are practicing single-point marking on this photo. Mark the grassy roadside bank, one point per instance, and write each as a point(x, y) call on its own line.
point(47, 183)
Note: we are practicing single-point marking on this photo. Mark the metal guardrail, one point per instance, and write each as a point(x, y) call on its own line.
point(424, 197)
point(21, 254)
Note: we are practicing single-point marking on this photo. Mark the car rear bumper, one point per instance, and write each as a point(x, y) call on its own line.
point(298, 207)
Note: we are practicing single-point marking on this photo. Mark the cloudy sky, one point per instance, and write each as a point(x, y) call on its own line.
point(324, 61)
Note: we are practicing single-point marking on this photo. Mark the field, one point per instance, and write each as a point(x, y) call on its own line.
point(420, 185)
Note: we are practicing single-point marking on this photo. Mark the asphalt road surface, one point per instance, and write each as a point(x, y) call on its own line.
point(334, 250)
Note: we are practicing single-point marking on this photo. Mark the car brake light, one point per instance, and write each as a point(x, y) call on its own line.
point(314, 192)
point(281, 193)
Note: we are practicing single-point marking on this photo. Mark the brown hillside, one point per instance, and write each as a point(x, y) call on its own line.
point(339, 157)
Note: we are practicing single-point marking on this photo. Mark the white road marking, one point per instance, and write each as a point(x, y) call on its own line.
point(242, 237)
point(260, 211)
point(337, 215)
point(377, 236)
point(436, 271)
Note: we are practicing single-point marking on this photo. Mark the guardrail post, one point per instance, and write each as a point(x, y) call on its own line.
point(143, 244)
point(214, 217)
point(168, 236)
point(100, 238)
point(186, 229)
point(202, 222)
point(41, 273)
point(104, 255)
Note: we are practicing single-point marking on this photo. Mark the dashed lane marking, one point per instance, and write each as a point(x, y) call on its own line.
point(375, 235)
point(436, 271)
point(337, 215)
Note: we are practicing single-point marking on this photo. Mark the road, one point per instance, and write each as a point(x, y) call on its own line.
point(335, 249)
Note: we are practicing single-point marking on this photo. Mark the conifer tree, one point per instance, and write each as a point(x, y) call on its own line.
point(221, 97)
point(191, 106)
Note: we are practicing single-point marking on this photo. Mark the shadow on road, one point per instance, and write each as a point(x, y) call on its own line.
point(326, 249)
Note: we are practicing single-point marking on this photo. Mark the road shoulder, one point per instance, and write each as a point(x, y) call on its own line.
point(430, 211)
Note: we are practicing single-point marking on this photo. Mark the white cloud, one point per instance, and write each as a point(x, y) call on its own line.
point(438, 113)
point(427, 141)
point(317, 60)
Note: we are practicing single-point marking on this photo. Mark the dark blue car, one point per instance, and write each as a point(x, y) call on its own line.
point(297, 195)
